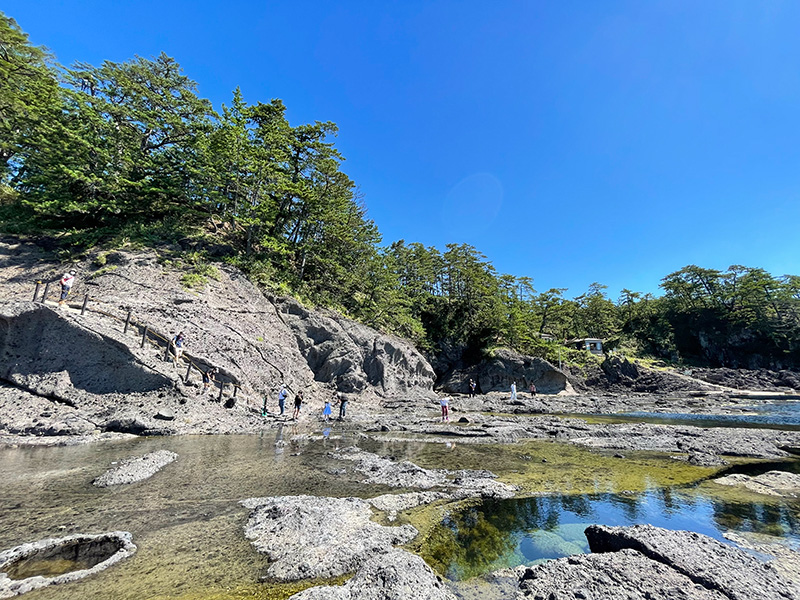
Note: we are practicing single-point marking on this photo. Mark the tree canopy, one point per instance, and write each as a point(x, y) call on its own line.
point(95, 152)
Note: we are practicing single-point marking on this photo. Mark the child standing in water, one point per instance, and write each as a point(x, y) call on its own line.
point(445, 402)
point(326, 412)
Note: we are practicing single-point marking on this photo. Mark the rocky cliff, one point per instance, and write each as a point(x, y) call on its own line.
point(121, 380)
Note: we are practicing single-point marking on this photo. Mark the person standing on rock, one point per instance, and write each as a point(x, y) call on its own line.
point(66, 285)
point(445, 402)
point(472, 387)
point(298, 403)
point(514, 390)
point(177, 348)
point(342, 400)
point(282, 395)
point(207, 375)
point(533, 389)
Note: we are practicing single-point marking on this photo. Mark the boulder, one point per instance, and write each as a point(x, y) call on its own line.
point(705, 561)
point(504, 368)
point(307, 537)
point(136, 469)
point(619, 370)
point(626, 574)
point(396, 575)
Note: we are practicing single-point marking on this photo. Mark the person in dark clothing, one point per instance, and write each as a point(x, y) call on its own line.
point(208, 374)
point(298, 403)
point(342, 400)
point(472, 386)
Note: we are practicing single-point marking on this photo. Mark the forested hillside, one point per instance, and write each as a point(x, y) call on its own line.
point(128, 153)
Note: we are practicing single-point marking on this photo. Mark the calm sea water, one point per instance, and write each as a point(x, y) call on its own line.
point(498, 534)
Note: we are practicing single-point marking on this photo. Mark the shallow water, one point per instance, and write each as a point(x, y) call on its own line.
point(188, 524)
point(784, 416)
point(499, 534)
point(186, 520)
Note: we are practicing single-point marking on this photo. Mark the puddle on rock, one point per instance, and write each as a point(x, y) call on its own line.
point(62, 558)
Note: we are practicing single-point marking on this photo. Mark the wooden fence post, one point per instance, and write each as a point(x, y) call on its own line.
point(144, 335)
point(85, 300)
point(188, 372)
point(44, 295)
point(127, 322)
point(36, 291)
point(221, 389)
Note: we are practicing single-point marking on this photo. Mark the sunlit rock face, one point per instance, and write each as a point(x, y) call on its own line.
point(646, 562)
point(505, 367)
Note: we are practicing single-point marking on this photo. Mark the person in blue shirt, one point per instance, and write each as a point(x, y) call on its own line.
point(282, 398)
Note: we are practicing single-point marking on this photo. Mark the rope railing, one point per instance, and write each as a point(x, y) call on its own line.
point(148, 335)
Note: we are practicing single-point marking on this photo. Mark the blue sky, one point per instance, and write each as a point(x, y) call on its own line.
point(570, 142)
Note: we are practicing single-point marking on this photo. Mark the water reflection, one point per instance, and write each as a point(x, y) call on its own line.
point(771, 415)
point(504, 533)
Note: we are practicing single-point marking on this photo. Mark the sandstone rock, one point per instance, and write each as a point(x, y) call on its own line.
point(705, 459)
point(772, 483)
point(619, 370)
point(307, 537)
point(354, 357)
point(136, 469)
point(396, 575)
point(165, 414)
point(626, 574)
point(705, 561)
point(52, 356)
point(504, 368)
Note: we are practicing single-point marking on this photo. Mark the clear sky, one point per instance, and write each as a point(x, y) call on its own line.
point(570, 142)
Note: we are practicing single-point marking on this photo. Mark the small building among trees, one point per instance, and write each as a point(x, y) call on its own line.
point(593, 345)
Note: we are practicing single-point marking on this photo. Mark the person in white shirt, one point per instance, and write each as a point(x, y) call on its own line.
point(66, 285)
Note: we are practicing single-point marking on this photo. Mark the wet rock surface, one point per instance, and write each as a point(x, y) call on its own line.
point(136, 469)
point(43, 563)
point(750, 379)
point(392, 504)
point(699, 445)
point(309, 537)
point(772, 483)
point(405, 474)
point(396, 575)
